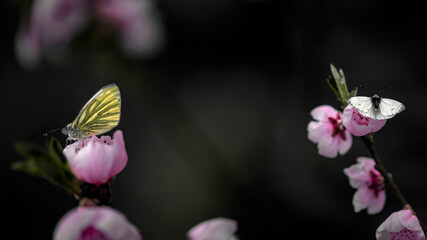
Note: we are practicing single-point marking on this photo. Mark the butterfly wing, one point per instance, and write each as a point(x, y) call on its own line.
point(389, 108)
point(100, 114)
point(363, 105)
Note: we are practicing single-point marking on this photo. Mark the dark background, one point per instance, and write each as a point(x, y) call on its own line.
point(215, 124)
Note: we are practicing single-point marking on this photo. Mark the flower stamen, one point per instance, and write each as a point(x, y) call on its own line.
point(337, 127)
point(376, 183)
point(359, 119)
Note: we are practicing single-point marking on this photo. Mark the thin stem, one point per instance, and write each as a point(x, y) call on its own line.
point(368, 140)
point(95, 195)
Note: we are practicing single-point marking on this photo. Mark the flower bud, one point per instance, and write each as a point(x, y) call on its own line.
point(401, 225)
point(96, 160)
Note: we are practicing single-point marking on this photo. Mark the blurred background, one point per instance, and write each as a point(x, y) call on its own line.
point(216, 101)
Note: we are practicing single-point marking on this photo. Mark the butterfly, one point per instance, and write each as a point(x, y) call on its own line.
point(99, 115)
point(376, 107)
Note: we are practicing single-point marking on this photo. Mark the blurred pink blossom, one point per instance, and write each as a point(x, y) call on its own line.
point(359, 125)
point(328, 132)
point(52, 23)
point(402, 225)
point(90, 223)
point(369, 183)
point(27, 47)
point(214, 229)
point(137, 23)
point(97, 160)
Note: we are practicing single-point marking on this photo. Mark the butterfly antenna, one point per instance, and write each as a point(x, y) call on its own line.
point(54, 130)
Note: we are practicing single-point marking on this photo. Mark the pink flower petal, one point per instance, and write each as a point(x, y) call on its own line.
point(27, 47)
point(214, 229)
point(328, 146)
point(139, 27)
point(361, 198)
point(358, 174)
point(317, 130)
point(345, 145)
point(322, 112)
point(377, 203)
point(364, 198)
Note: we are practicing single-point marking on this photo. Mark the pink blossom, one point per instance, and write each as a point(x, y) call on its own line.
point(52, 23)
point(214, 229)
point(137, 23)
point(58, 20)
point(27, 47)
point(402, 225)
point(97, 160)
point(328, 132)
point(369, 183)
point(359, 125)
point(90, 223)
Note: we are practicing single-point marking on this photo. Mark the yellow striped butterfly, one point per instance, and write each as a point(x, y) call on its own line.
point(99, 115)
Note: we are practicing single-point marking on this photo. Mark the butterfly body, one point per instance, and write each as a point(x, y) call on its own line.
point(99, 115)
point(376, 107)
point(71, 132)
point(376, 102)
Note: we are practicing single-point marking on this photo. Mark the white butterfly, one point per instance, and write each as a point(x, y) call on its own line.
point(376, 107)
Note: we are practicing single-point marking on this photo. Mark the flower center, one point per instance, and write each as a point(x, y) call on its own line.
point(376, 183)
point(91, 233)
point(359, 119)
point(337, 126)
point(404, 234)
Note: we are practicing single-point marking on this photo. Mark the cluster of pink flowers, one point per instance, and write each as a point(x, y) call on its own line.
point(97, 161)
point(370, 195)
point(53, 24)
point(332, 131)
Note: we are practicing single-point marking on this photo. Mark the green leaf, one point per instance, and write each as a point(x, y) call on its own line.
point(49, 164)
point(353, 93)
point(332, 84)
point(27, 150)
point(341, 85)
point(57, 150)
